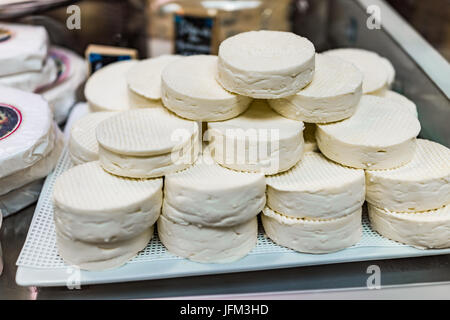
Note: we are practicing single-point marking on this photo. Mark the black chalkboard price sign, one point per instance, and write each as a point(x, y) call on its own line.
point(194, 34)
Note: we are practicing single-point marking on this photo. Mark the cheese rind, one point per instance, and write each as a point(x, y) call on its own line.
point(96, 257)
point(420, 185)
point(316, 188)
point(422, 230)
point(207, 194)
point(265, 64)
point(144, 77)
point(376, 73)
point(380, 135)
point(257, 140)
point(313, 236)
point(208, 244)
point(332, 95)
point(189, 89)
point(83, 145)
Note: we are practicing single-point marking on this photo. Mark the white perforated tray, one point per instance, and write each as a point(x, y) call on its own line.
point(40, 265)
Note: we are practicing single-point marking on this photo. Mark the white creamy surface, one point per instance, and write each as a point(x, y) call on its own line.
point(380, 135)
point(33, 139)
point(332, 95)
point(423, 230)
point(257, 140)
point(208, 244)
point(316, 188)
point(265, 64)
point(144, 77)
point(420, 185)
point(207, 194)
point(189, 89)
point(25, 50)
point(402, 101)
point(313, 236)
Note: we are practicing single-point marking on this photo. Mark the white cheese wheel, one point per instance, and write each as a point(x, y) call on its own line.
point(32, 80)
point(421, 184)
point(422, 230)
point(265, 64)
point(104, 256)
point(208, 244)
point(313, 236)
point(207, 194)
point(145, 143)
point(257, 140)
point(401, 100)
point(62, 93)
point(373, 67)
point(390, 71)
point(107, 89)
point(189, 88)
point(380, 135)
point(91, 205)
point(37, 171)
point(316, 188)
point(144, 77)
point(23, 48)
point(332, 95)
point(83, 145)
point(26, 131)
point(309, 135)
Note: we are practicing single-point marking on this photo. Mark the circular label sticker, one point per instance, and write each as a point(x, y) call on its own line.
point(10, 120)
point(5, 34)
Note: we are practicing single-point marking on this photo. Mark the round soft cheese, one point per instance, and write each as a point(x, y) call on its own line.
point(332, 95)
point(189, 88)
point(380, 135)
point(37, 171)
point(91, 205)
point(390, 71)
point(144, 78)
point(23, 48)
point(373, 67)
point(316, 188)
point(423, 230)
point(107, 89)
point(103, 256)
point(401, 100)
point(313, 236)
point(32, 80)
point(257, 140)
point(83, 145)
point(421, 184)
point(208, 244)
point(265, 64)
point(26, 131)
point(207, 194)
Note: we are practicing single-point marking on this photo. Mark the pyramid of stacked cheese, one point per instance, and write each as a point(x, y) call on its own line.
point(328, 134)
point(30, 64)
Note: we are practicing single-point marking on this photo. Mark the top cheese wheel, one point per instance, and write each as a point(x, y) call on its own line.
point(377, 74)
point(144, 78)
point(265, 64)
point(22, 48)
point(380, 135)
point(26, 132)
point(332, 95)
point(144, 132)
point(107, 89)
point(190, 90)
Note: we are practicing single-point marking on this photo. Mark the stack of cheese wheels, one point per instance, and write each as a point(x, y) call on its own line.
point(24, 60)
point(103, 220)
point(378, 72)
point(209, 212)
point(257, 140)
point(107, 89)
point(146, 143)
point(316, 206)
point(411, 204)
point(30, 143)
